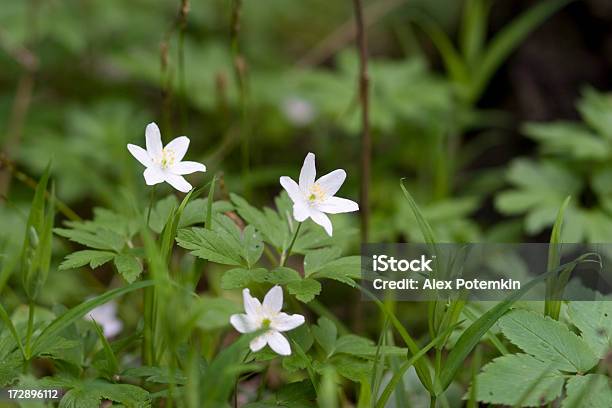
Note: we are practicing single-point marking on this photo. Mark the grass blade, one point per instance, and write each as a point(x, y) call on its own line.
point(552, 307)
point(508, 39)
point(9, 324)
point(398, 375)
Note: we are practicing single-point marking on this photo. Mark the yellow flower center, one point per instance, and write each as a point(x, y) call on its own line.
point(168, 158)
point(265, 323)
point(316, 193)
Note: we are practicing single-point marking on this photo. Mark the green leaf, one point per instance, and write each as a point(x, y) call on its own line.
point(596, 110)
point(365, 348)
point(594, 320)
point(89, 394)
point(46, 337)
point(325, 333)
point(506, 379)
point(103, 239)
point(588, 391)
point(128, 266)
point(11, 366)
point(238, 278)
point(568, 139)
point(252, 245)
point(304, 290)
point(271, 225)
point(81, 258)
point(317, 259)
point(296, 394)
point(547, 340)
point(224, 244)
point(279, 276)
point(345, 270)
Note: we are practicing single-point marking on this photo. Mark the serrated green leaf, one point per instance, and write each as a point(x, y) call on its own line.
point(103, 239)
point(128, 266)
point(325, 332)
point(238, 278)
point(304, 290)
point(345, 270)
point(268, 222)
point(317, 259)
point(548, 340)
point(91, 257)
point(278, 276)
point(594, 320)
point(89, 394)
point(252, 245)
point(588, 391)
point(506, 379)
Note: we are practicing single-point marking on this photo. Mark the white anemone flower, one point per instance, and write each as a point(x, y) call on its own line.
point(164, 164)
point(268, 316)
point(106, 316)
point(313, 199)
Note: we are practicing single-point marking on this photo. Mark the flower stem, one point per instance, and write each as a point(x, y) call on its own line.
point(30, 328)
point(286, 253)
point(364, 101)
point(151, 199)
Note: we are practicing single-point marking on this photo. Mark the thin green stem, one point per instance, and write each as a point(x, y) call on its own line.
point(30, 329)
point(151, 199)
point(287, 253)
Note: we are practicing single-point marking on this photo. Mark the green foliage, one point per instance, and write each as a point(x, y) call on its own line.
point(594, 320)
point(575, 157)
point(553, 352)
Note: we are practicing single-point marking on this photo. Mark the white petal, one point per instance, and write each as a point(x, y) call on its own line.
point(140, 154)
point(279, 343)
point(112, 328)
point(301, 211)
point(178, 182)
point(154, 142)
point(273, 301)
point(243, 323)
point(179, 147)
point(323, 220)
point(258, 343)
point(154, 175)
point(284, 322)
point(331, 182)
point(308, 172)
point(292, 188)
point(337, 205)
point(187, 167)
point(251, 305)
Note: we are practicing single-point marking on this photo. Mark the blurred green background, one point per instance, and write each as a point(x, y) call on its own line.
point(492, 118)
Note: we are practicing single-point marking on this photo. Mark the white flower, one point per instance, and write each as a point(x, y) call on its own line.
point(266, 316)
point(315, 198)
point(163, 164)
point(299, 111)
point(106, 317)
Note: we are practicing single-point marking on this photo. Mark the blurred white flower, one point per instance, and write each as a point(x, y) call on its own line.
point(312, 199)
point(266, 316)
point(163, 164)
point(106, 317)
point(298, 111)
